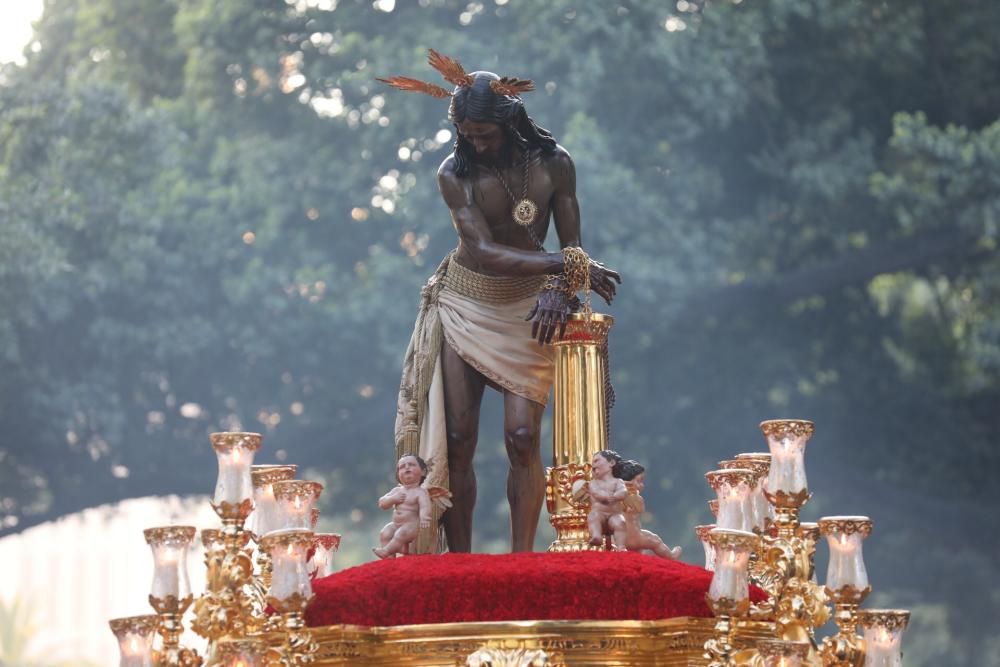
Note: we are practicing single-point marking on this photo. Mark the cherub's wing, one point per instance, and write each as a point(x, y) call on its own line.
point(633, 503)
point(440, 496)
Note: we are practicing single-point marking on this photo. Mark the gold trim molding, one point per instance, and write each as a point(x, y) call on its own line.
point(673, 642)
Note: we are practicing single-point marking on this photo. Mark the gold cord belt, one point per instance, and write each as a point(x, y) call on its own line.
point(490, 289)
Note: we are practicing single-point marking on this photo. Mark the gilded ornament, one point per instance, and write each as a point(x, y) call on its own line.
point(519, 657)
point(234, 514)
point(170, 604)
point(172, 535)
point(782, 428)
point(757, 467)
point(731, 478)
point(262, 475)
point(235, 439)
point(892, 620)
point(134, 625)
point(783, 499)
point(524, 212)
point(845, 525)
point(849, 594)
point(291, 489)
point(779, 648)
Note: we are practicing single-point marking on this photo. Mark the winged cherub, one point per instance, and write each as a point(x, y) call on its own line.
point(411, 506)
point(637, 539)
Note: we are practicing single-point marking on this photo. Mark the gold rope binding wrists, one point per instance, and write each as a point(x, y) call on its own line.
point(576, 269)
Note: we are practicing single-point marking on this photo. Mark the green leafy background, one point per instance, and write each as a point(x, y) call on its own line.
point(212, 216)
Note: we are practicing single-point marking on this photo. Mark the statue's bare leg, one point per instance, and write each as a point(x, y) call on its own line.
point(463, 394)
point(595, 523)
point(526, 477)
point(617, 526)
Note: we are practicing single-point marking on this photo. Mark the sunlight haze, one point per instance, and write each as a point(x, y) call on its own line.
point(16, 17)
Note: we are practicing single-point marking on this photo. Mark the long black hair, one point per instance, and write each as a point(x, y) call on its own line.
point(479, 103)
point(629, 470)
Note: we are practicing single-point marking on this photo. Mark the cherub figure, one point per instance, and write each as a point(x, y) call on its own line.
point(606, 493)
point(633, 474)
point(411, 506)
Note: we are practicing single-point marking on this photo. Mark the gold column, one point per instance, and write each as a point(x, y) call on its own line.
point(579, 426)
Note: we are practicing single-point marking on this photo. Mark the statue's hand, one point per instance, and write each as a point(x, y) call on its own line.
point(551, 310)
point(602, 281)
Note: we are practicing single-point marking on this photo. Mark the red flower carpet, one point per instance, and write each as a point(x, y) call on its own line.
point(512, 587)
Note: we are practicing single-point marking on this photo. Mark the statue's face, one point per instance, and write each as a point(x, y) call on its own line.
point(601, 466)
point(486, 138)
point(408, 470)
point(639, 481)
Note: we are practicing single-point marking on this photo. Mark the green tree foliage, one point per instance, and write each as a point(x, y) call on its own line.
point(213, 216)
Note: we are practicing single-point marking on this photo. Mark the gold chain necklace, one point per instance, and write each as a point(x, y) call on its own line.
point(524, 210)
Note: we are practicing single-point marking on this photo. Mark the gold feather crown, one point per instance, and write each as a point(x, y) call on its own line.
point(455, 74)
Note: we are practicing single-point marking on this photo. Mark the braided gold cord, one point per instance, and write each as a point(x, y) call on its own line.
point(490, 289)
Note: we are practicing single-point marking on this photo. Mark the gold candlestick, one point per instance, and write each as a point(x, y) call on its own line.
point(785, 569)
point(728, 595)
point(171, 594)
point(229, 607)
point(579, 426)
point(847, 586)
point(291, 592)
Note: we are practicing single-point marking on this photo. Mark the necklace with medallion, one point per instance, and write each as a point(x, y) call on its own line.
point(523, 210)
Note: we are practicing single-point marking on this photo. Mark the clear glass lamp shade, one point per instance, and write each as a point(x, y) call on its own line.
point(266, 515)
point(135, 636)
point(883, 633)
point(845, 536)
point(326, 544)
point(733, 490)
point(170, 545)
point(786, 440)
point(289, 560)
point(241, 653)
point(294, 503)
point(233, 484)
point(788, 467)
point(706, 543)
point(780, 653)
point(731, 578)
point(761, 508)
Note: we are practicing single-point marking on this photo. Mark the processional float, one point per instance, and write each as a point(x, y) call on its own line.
point(251, 613)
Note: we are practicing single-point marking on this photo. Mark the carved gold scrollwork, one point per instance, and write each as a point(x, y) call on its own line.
point(519, 657)
point(566, 477)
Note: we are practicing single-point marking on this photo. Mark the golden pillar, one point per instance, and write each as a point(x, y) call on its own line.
point(579, 426)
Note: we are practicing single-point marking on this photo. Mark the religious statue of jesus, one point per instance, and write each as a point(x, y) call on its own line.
point(496, 301)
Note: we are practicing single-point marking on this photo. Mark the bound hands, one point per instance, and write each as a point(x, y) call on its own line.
point(556, 302)
point(602, 281)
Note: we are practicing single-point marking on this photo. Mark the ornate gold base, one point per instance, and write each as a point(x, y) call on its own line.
point(670, 643)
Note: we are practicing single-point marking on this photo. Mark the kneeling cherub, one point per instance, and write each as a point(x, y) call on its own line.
point(411, 506)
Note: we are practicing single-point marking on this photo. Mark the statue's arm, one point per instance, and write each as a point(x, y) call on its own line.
point(565, 207)
point(566, 216)
point(475, 237)
point(391, 499)
point(598, 494)
point(424, 504)
point(620, 491)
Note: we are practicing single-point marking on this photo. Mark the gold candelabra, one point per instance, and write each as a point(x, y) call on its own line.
point(781, 562)
point(249, 617)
